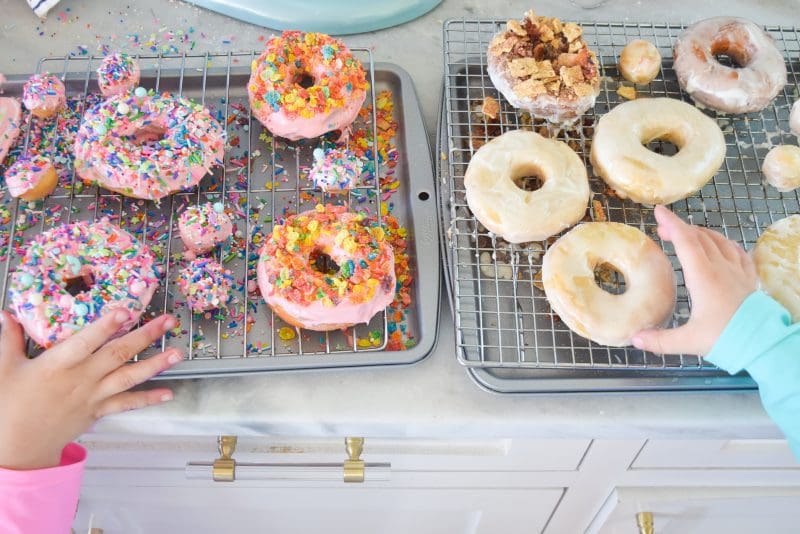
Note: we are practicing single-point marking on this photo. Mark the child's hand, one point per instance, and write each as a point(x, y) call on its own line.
point(50, 400)
point(719, 276)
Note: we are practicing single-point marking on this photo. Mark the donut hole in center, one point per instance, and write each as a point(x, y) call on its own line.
point(322, 262)
point(664, 143)
point(305, 80)
point(528, 178)
point(79, 284)
point(151, 135)
point(609, 278)
point(730, 54)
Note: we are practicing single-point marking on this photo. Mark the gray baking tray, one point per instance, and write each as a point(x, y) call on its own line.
point(269, 187)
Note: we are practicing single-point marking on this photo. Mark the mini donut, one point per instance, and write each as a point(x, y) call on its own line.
point(517, 215)
point(781, 168)
point(204, 227)
point(147, 145)
point(775, 256)
point(335, 170)
point(286, 105)
point(206, 284)
point(640, 61)
point(44, 95)
point(732, 90)
point(327, 269)
point(568, 277)
point(794, 118)
point(117, 74)
point(620, 158)
point(31, 178)
point(116, 269)
point(10, 121)
point(544, 66)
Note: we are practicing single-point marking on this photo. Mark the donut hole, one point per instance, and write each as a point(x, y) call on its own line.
point(305, 80)
point(665, 147)
point(152, 135)
point(609, 278)
point(529, 178)
point(79, 284)
point(322, 262)
point(730, 54)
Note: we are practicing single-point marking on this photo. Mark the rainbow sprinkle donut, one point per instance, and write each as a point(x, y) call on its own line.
point(117, 74)
point(75, 273)
point(147, 145)
point(203, 227)
point(31, 178)
point(306, 84)
point(44, 95)
point(335, 170)
point(327, 269)
point(206, 284)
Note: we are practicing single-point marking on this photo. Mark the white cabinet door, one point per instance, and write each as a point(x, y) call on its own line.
point(701, 510)
point(222, 508)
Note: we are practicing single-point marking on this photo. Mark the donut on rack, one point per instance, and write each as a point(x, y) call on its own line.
point(117, 74)
point(306, 84)
point(205, 226)
point(327, 269)
point(760, 76)
point(775, 256)
point(544, 66)
point(44, 95)
point(10, 122)
point(336, 170)
point(147, 145)
point(206, 284)
point(31, 177)
point(74, 273)
point(568, 277)
point(640, 61)
point(619, 155)
point(781, 168)
point(513, 213)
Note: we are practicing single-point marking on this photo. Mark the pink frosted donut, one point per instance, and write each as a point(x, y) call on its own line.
point(118, 73)
point(336, 170)
point(203, 227)
point(206, 284)
point(306, 84)
point(10, 120)
point(147, 145)
point(74, 273)
point(44, 95)
point(31, 178)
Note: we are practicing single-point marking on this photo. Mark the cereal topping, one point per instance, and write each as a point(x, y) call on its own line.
point(206, 284)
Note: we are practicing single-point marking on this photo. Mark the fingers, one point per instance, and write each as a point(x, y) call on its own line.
point(132, 375)
point(688, 247)
point(118, 351)
point(80, 345)
point(667, 341)
point(133, 400)
point(12, 342)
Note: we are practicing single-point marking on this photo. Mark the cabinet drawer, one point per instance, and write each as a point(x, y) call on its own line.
point(700, 454)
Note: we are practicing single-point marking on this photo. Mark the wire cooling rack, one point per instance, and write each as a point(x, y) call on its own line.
point(263, 180)
point(503, 319)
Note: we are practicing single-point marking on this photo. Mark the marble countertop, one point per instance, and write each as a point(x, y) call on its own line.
point(434, 398)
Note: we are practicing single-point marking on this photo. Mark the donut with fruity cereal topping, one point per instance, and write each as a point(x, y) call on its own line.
point(147, 145)
point(44, 95)
point(73, 274)
point(327, 269)
point(118, 73)
point(306, 84)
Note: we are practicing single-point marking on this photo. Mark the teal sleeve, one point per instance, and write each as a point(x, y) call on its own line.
point(761, 339)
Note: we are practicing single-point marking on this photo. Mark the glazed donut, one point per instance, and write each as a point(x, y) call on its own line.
point(117, 271)
point(775, 256)
point(781, 168)
point(794, 118)
point(31, 178)
point(335, 170)
point(206, 284)
point(10, 121)
point(147, 146)
point(117, 74)
point(543, 66)
point(279, 95)
point(204, 227)
point(733, 90)
point(517, 215)
point(620, 158)
point(44, 95)
point(640, 61)
point(327, 269)
point(568, 277)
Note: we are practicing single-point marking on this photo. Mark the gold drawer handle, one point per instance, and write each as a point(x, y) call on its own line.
point(224, 468)
point(354, 465)
point(644, 520)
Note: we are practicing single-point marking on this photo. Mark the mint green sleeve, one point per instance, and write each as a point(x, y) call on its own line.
point(761, 339)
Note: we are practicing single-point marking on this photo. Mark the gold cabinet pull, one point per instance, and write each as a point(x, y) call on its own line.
point(644, 520)
point(224, 467)
point(354, 465)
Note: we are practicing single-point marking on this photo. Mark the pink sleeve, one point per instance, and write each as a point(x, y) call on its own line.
point(42, 500)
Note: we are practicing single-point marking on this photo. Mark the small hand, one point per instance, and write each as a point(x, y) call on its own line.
point(50, 400)
point(719, 276)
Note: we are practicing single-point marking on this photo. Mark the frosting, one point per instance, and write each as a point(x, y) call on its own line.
point(117, 74)
point(34, 174)
point(335, 169)
point(44, 95)
point(203, 227)
point(286, 108)
point(117, 270)
point(147, 146)
point(781, 168)
point(305, 296)
point(206, 284)
point(10, 121)
point(775, 256)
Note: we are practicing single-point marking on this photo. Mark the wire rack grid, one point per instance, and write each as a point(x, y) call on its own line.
point(261, 182)
point(503, 319)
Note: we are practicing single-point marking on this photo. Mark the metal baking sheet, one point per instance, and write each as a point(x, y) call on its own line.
point(271, 186)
